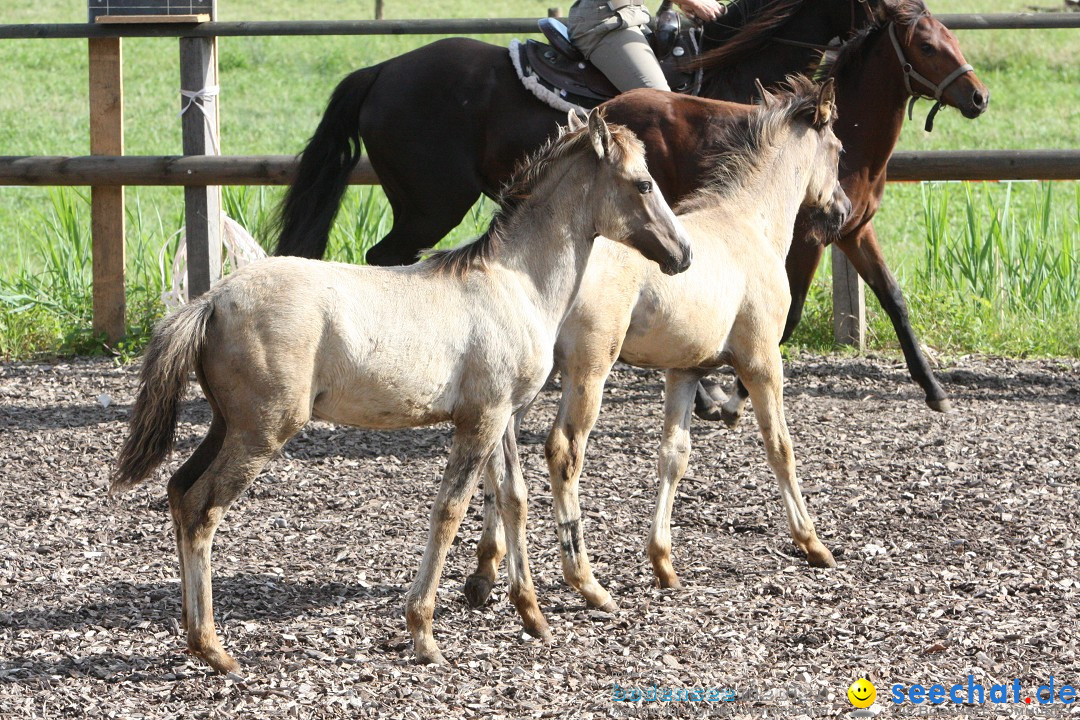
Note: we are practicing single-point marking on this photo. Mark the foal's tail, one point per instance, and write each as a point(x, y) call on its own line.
point(172, 354)
point(312, 202)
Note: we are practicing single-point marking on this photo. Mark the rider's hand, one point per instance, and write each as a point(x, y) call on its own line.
point(702, 9)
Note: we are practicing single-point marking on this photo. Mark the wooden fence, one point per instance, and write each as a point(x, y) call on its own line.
point(107, 170)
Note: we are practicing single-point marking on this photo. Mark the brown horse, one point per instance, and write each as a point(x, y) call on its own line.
point(477, 119)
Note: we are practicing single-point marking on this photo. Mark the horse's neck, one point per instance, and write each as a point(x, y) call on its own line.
point(812, 24)
point(870, 104)
point(549, 245)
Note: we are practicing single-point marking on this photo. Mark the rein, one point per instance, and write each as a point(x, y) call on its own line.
point(910, 73)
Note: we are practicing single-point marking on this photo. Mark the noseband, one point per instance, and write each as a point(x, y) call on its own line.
point(910, 73)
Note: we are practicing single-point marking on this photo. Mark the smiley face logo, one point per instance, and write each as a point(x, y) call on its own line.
point(862, 693)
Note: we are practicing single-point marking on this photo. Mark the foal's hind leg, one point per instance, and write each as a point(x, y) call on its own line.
point(680, 386)
point(198, 513)
point(512, 499)
point(763, 377)
point(181, 482)
point(492, 546)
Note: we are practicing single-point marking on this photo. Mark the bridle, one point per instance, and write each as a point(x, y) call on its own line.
point(911, 74)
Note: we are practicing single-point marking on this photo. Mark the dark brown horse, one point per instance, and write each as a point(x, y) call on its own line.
point(457, 104)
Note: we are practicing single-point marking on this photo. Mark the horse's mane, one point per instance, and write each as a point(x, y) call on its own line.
point(751, 141)
point(516, 192)
point(755, 21)
point(852, 54)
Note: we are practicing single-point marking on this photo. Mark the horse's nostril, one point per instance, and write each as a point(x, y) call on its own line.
point(979, 99)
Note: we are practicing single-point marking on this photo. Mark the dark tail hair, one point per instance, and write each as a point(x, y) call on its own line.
point(171, 355)
point(311, 204)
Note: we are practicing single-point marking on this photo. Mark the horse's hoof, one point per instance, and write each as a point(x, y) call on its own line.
point(731, 418)
point(821, 558)
point(706, 411)
point(430, 656)
point(609, 607)
point(477, 590)
point(218, 659)
point(943, 405)
point(542, 633)
point(670, 582)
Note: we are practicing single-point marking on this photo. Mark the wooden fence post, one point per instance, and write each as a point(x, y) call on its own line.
point(849, 302)
point(202, 205)
point(107, 203)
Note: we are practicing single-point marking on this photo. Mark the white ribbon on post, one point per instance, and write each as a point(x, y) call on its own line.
point(240, 247)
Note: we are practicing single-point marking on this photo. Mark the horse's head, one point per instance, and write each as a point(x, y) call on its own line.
point(826, 202)
point(931, 59)
point(628, 206)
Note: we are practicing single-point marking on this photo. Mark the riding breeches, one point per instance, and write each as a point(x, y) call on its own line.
point(610, 36)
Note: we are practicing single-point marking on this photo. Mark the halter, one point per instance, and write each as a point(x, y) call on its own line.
point(910, 73)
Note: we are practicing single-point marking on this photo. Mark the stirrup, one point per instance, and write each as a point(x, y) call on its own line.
point(559, 38)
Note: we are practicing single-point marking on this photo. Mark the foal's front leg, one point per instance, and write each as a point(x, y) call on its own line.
point(763, 377)
point(469, 456)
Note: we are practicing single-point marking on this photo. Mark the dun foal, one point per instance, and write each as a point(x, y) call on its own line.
point(466, 336)
point(728, 309)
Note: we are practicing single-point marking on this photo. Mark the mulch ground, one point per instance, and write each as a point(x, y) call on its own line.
point(955, 535)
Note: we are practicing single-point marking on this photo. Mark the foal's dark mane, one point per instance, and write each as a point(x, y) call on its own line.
point(517, 190)
point(752, 139)
point(852, 54)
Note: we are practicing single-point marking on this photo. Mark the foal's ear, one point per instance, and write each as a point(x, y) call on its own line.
point(599, 133)
point(574, 120)
point(826, 105)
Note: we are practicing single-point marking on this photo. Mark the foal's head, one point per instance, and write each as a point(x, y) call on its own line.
point(628, 207)
point(814, 106)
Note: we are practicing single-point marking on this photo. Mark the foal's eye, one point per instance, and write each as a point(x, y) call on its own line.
point(644, 187)
point(927, 49)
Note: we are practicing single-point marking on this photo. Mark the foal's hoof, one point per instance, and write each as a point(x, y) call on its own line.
point(218, 659)
point(730, 418)
point(430, 656)
point(820, 557)
point(708, 403)
point(541, 632)
point(477, 590)
point(943, 405)
point(609, 607)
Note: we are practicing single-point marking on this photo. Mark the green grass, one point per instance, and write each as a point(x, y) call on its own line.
point(274, 90)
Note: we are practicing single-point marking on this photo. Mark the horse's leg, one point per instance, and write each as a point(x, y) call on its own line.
point(427, 202)
point(492, 546)
point(764, 377)
point(512, 498)
point(802, 262)
point(241, 457)
point(181, 482)
point(469, 456)
point(579, 407)
point(865, 254)
point(680, 387)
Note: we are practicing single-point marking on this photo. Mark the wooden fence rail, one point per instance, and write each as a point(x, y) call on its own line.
point(469, 26)
point(201, 170)
point(109, 170)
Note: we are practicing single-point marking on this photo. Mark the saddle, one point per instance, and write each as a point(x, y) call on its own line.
point(559, 75)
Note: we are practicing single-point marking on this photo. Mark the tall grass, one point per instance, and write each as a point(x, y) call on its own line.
point(48, 310)
point(995, 274)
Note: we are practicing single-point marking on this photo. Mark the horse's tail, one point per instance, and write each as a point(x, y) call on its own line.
point(172, 354)
point(312, 202)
